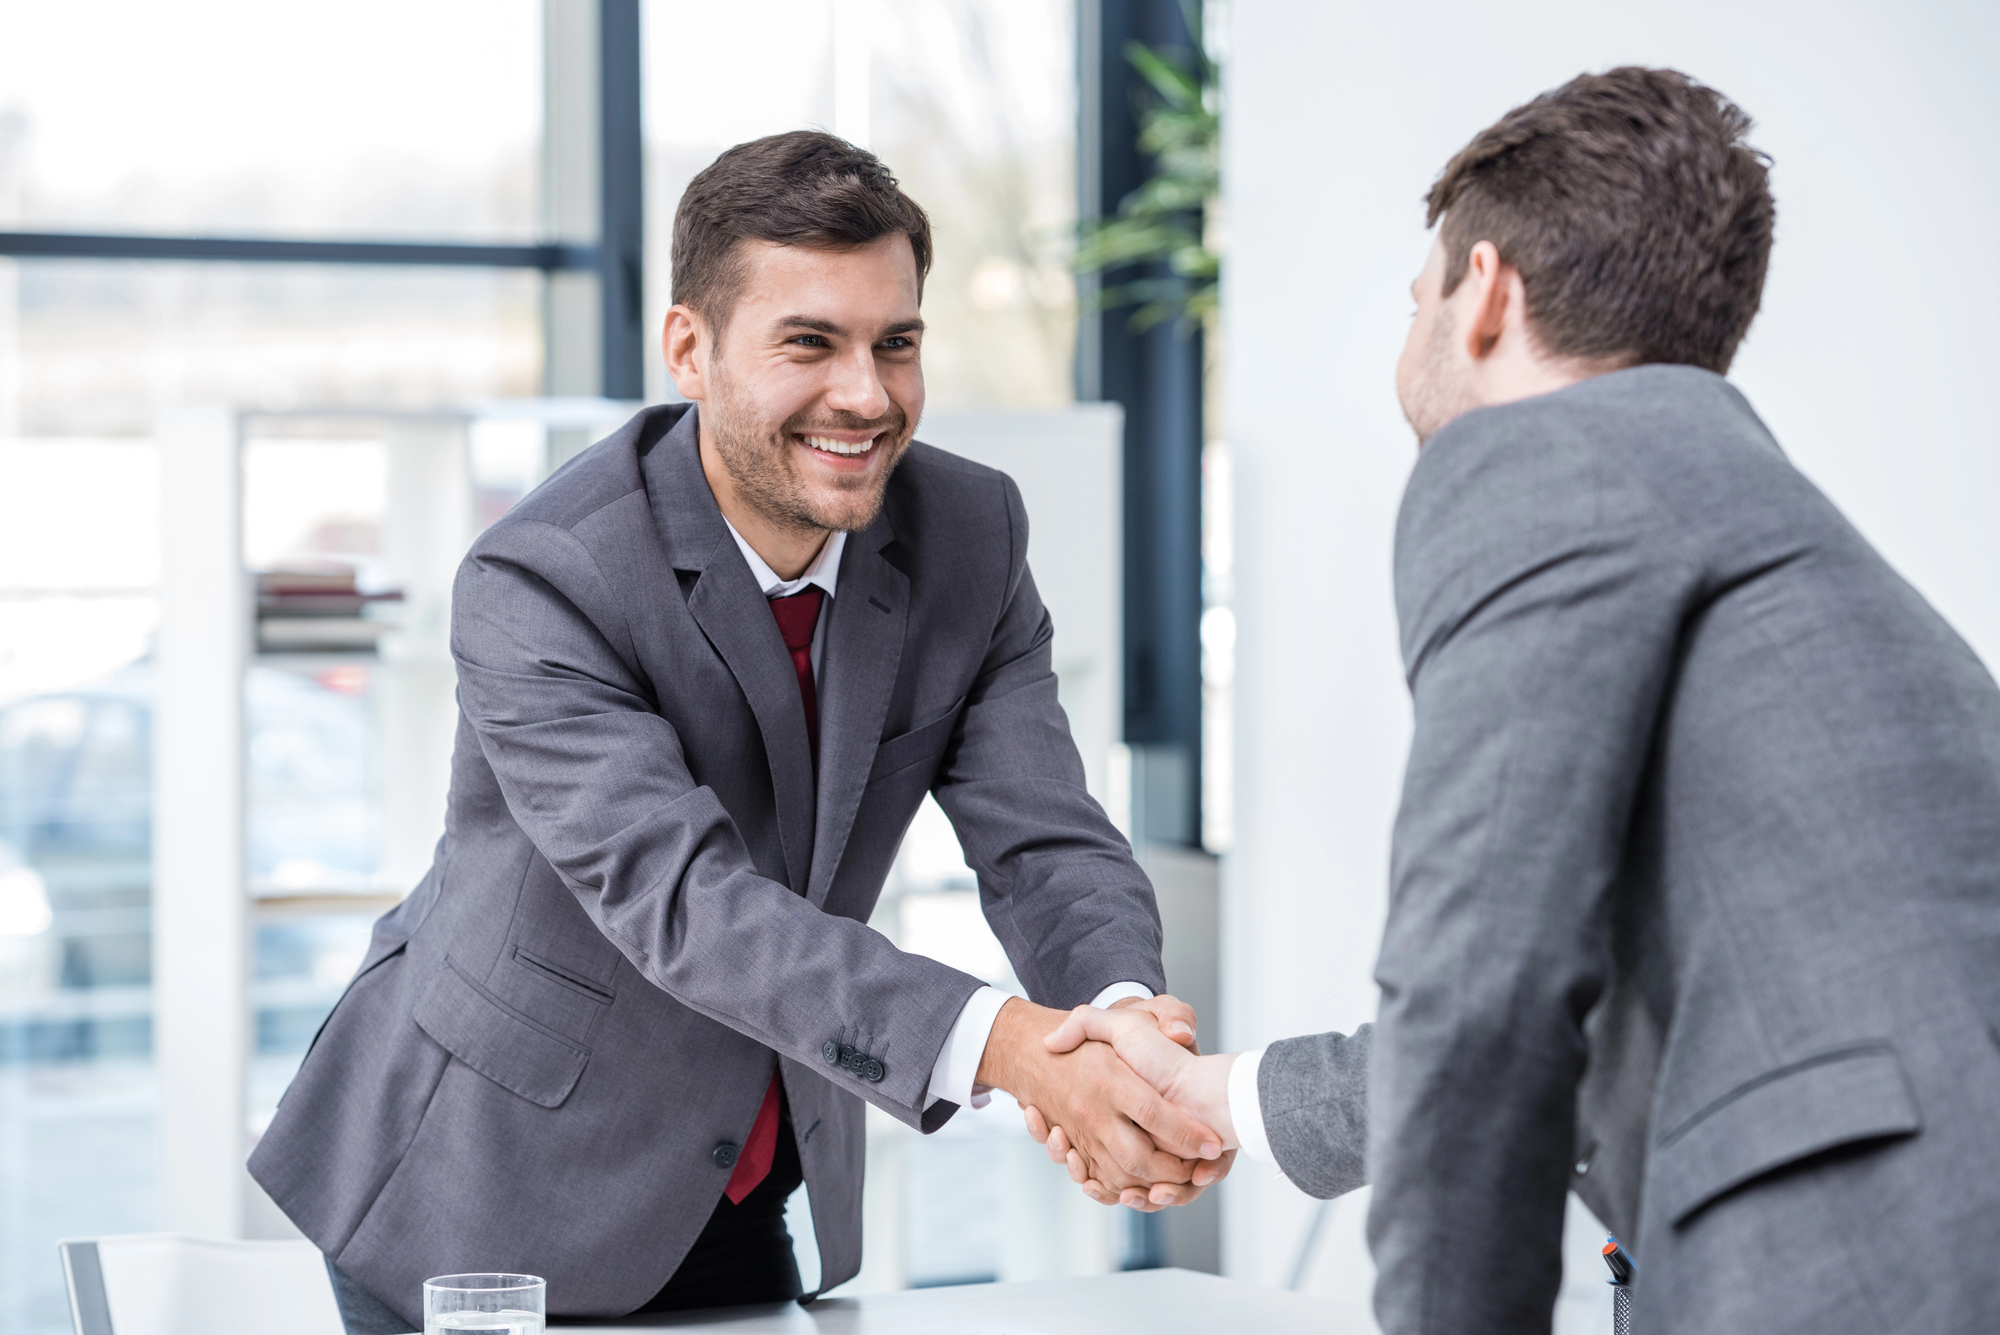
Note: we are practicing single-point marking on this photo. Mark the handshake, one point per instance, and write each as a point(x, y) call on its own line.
point(1121, 1097)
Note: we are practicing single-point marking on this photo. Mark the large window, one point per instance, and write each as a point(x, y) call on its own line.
point(971, 103)
point(101, 347)
point(77, 611)
point(370, 121)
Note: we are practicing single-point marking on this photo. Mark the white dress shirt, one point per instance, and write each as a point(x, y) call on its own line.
point(824, 571)
point(955, 1076)
point(1246, 1111)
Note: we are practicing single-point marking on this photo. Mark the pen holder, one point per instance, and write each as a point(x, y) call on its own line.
point(1621, 1310)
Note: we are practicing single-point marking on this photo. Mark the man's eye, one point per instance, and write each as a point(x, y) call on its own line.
point(897, 343)
point(810, 340)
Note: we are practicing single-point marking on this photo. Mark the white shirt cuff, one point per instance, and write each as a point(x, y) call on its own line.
point(1120, 991)
point(1246, 1110)
point(955, 1075)
point(958, 1061)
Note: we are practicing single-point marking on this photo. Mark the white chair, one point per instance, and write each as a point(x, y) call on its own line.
point(172, 1284)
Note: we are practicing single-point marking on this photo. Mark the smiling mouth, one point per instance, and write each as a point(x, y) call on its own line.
point(833, 445)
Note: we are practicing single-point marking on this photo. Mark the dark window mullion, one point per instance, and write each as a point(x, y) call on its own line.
point(78, 245)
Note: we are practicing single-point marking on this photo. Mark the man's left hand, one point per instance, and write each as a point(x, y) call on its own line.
point(1174, 1019)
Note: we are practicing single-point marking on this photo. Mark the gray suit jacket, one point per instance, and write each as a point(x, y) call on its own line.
point(645, 897)
point(1695, 898)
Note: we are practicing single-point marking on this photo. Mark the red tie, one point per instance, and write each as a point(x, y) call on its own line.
point(797, 615)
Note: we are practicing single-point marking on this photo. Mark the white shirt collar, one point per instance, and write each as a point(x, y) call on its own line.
point(824, 570)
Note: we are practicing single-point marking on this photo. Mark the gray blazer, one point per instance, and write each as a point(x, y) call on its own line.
point(1695, 900)
point(644, 898)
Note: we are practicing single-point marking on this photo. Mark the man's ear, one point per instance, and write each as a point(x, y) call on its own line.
point(1491, 289)
point(684, 343)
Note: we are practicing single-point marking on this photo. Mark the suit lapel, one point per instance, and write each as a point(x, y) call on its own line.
point(863, 647)
point(731, 611)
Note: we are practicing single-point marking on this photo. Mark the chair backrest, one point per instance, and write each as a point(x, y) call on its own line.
point(172, 1284)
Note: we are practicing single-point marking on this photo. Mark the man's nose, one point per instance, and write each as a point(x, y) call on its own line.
point(855, 388)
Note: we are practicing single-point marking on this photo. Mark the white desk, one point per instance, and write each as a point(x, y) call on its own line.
point(1139, 1302)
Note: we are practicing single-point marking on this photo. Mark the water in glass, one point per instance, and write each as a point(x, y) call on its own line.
point(510, 1322)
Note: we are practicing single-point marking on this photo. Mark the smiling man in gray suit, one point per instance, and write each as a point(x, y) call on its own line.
point(1695, 897)
point(706, 674)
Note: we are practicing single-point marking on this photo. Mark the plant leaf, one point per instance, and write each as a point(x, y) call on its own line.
point(1161, 222)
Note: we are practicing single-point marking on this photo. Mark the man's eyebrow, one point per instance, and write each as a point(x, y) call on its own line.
point(807, 322)
point(818, 326)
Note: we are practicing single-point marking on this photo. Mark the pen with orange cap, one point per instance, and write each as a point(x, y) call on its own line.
point(1621, 1287)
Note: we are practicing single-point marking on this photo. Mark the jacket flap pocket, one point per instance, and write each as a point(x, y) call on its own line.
point(496, 1040)
point(573, 979)
point(1782, 1116)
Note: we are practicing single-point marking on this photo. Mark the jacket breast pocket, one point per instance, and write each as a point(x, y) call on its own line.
point(496, 1040)
point(926, 742)
point(1837, 1098)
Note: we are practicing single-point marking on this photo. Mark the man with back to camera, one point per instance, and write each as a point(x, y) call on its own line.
point(706, 673)
point(1695, 900)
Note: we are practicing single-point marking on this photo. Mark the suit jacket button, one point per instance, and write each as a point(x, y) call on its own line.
point(872, 1070)
point(831, 1051)
point(725, 1155)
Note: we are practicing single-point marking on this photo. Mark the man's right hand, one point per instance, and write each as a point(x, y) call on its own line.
point(1127, 1134)
point(1198, 1085)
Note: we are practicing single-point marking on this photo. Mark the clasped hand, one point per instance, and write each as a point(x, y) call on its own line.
point(1120, 1097)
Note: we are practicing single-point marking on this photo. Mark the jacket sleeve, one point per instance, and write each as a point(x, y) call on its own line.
point(1541, 595)
point(1058, 883)
point(1313, 1093)
point(596, 778)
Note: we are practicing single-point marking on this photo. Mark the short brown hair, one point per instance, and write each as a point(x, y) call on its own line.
point(803, 188)
point(1639, 220)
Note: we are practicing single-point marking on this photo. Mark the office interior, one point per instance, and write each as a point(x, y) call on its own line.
point(293, 301)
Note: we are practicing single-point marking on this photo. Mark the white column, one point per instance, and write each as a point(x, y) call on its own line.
point(1320, 454)
point(428, 527)
point(200, 1015)
point(570, 166)
point(10, 349)
point(13, 135)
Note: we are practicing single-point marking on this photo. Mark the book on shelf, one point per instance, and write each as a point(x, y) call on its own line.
point(318, 634)
point(325, 579)
point(319, 610)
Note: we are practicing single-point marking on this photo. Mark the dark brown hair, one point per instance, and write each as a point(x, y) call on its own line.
point(803, 188)
point(1639, 220)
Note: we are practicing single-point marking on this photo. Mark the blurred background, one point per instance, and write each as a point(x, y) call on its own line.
point(294, 300)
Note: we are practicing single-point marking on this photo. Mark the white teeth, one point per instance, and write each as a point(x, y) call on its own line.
point(832, 446)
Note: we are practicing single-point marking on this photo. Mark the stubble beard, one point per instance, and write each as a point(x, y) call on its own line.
point(1433, 396)
point(765, 471)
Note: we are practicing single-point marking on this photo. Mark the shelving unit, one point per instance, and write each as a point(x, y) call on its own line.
point(204, 905)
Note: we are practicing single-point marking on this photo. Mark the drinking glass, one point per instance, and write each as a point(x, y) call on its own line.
point(494, 1304)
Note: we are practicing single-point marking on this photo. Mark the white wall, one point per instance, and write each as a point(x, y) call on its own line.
point(1873, 362)
point(1066, 462)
